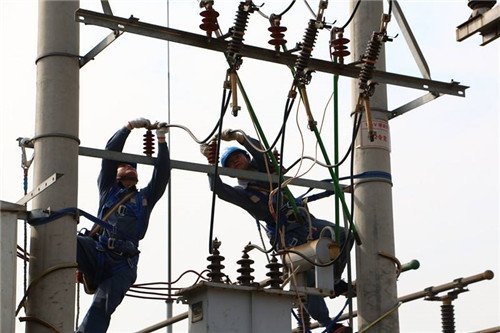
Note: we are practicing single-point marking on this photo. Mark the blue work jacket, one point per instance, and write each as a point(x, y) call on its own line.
point(130, 221)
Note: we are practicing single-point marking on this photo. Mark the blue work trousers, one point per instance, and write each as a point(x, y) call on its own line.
point(113, 276)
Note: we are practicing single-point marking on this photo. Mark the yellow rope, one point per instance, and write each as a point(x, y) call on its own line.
point(381, 317)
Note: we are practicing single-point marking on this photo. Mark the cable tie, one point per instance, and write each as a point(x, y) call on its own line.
point(56, 135)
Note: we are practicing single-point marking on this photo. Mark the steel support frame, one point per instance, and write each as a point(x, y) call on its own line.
point(132, 25)
point(487, 24)
point(202, 168)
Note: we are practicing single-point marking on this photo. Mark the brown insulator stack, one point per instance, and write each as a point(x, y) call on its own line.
point(209, 20)
point(212, 158)
point(277, 33)
point(338, 46)
point(149, 144)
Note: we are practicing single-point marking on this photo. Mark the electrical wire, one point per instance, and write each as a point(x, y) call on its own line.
point(279, 15)
point(347, 154)
point(357, 119)
point(295, 288)
point(77, 319)
point(329, 327)
point(39, 278)
point(381, 317)
point(352, 15)
point(310, 9)
point(225, 103)
point(280, 168)
point(145, 288)
point(200, 276)
point(390, 8)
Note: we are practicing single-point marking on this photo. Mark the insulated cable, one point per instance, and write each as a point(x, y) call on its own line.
point(216, 171)
point(352, 15)
point(358, 124)
point(267, 17)
point(200, 276)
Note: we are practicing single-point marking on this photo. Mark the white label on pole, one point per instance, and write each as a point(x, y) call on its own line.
point(382, 138)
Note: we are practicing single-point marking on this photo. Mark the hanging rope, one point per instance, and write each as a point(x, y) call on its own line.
point(25, 165)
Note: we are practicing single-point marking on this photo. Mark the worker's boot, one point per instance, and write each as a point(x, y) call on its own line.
point(88, 285)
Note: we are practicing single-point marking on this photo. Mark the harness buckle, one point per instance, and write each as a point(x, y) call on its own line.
point(290, 216)
point(111, 243)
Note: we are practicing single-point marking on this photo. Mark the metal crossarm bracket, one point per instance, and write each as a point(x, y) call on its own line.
point(487, 24)
point(100, 47)
point(413, 104)
point(203, 168)
point(287, 59)
point(411, 41)
point(106, 7)
point(105, 42)
point(40, 188)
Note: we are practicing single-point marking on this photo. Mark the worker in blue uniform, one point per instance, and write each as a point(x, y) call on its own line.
point(108, 258)
point(253, 196)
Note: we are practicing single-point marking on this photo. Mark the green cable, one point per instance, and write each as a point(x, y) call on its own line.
point(339, 195)
point(336, 147)
point(288, 194)
point(337, 190)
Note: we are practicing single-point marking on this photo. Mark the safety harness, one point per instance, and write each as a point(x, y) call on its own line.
point(110, 237)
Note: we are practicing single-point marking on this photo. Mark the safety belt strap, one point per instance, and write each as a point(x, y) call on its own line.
point(96, 228)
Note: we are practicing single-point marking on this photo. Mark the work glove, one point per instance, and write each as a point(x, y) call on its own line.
point(162, 130)
point(209, 150)
point(139, 123)
point(230, 135)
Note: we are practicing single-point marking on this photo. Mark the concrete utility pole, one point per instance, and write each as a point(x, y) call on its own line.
point(51, 302)
point(375, 275)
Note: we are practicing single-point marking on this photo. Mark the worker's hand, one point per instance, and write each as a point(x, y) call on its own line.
point(230, 135)
point(209, 150)
point(139, 123)
point(161, 131)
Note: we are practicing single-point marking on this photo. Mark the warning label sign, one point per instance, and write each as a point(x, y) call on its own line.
point(382, 138)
